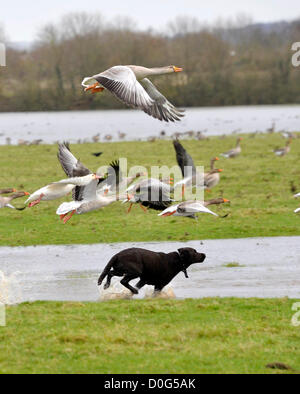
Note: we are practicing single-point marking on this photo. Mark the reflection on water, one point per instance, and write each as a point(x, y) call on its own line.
point(83, 125)
point(268, 267)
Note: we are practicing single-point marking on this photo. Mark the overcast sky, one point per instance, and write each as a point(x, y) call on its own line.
point(23, 18)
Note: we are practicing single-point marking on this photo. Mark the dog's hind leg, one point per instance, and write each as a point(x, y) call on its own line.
point(125, 282)
point(110, 275)
point(108, 281)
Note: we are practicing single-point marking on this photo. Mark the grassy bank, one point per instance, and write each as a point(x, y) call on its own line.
point(257, 183)
point(150, 336)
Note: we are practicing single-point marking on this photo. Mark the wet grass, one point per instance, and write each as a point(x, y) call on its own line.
point(150, 336)
point(257, 183)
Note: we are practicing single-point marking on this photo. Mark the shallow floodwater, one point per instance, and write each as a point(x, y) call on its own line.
point(269, 267)
point(83, 125)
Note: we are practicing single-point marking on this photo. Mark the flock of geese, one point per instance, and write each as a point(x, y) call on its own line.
point(92, 191)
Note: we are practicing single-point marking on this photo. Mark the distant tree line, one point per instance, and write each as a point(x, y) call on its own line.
point(228, 64)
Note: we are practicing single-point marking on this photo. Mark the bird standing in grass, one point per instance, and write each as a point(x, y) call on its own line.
point(235, 151)
point(283, 151)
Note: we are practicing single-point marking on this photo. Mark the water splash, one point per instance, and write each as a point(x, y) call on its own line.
point(166, 293)
point(10, 289)
point(118, 292)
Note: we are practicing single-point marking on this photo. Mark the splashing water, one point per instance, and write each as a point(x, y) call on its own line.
point(118, 292)
point(10, 291)
point(166, 293)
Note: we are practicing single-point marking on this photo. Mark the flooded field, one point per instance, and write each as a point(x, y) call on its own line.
point(254, 267)
point(50, 127)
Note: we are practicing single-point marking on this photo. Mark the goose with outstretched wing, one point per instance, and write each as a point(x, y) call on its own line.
point(85, 198)
point(5, 201)
point(191, 208)
point(130, 84)
point(150, 193)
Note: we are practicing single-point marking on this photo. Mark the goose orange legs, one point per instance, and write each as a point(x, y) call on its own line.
point(95, 88)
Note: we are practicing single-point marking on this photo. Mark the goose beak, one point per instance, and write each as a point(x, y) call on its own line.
point(26, 194)
point(217, 159)
point(177, 69)
point(225, 200)
point(220, 170)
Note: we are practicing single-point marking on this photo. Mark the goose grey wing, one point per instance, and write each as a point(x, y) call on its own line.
point(155, 195)
point(121, 81)
point(162, 109)
point(115, 176)
point(73, 168)
point(184, 159)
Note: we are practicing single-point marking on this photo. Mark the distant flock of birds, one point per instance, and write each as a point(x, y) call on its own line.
point(92, 191)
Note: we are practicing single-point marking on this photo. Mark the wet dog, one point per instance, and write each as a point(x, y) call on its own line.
point(152, 268)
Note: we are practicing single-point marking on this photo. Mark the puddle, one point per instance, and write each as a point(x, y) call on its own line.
point(268, 267)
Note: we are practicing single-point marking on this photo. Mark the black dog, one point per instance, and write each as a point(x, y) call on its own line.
point(156, 269)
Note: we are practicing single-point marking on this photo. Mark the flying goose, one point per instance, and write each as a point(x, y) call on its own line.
point(235, 151)
point(86, 198)
point(5, 201)
point(59, 189)
point(190, 208)
point(283, 151)
point(116, 182)
point(8, 191)
point(187, 167)
point(150, 193)
point(131, 86)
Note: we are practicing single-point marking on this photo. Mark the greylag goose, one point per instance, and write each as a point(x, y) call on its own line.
point(7, 191)
point(187, 167)
point(5, 201)
point(116, 182)
point(283, 151)
point(86, 198)
point(212, 178)
point(59, 189)
point(131, 86)
point(184, 160)
point(150, 193)
point(235, 151)
point(191, 208)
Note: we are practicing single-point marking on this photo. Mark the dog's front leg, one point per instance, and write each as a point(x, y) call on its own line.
point(140, 284)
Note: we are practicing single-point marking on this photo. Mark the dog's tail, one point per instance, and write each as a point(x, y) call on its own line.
point(106, 270)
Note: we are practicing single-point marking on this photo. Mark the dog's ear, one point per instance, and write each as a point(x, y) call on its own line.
point(184, 253)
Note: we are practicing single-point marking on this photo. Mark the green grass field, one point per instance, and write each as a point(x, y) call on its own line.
point(150, 336)
point(257, 183)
